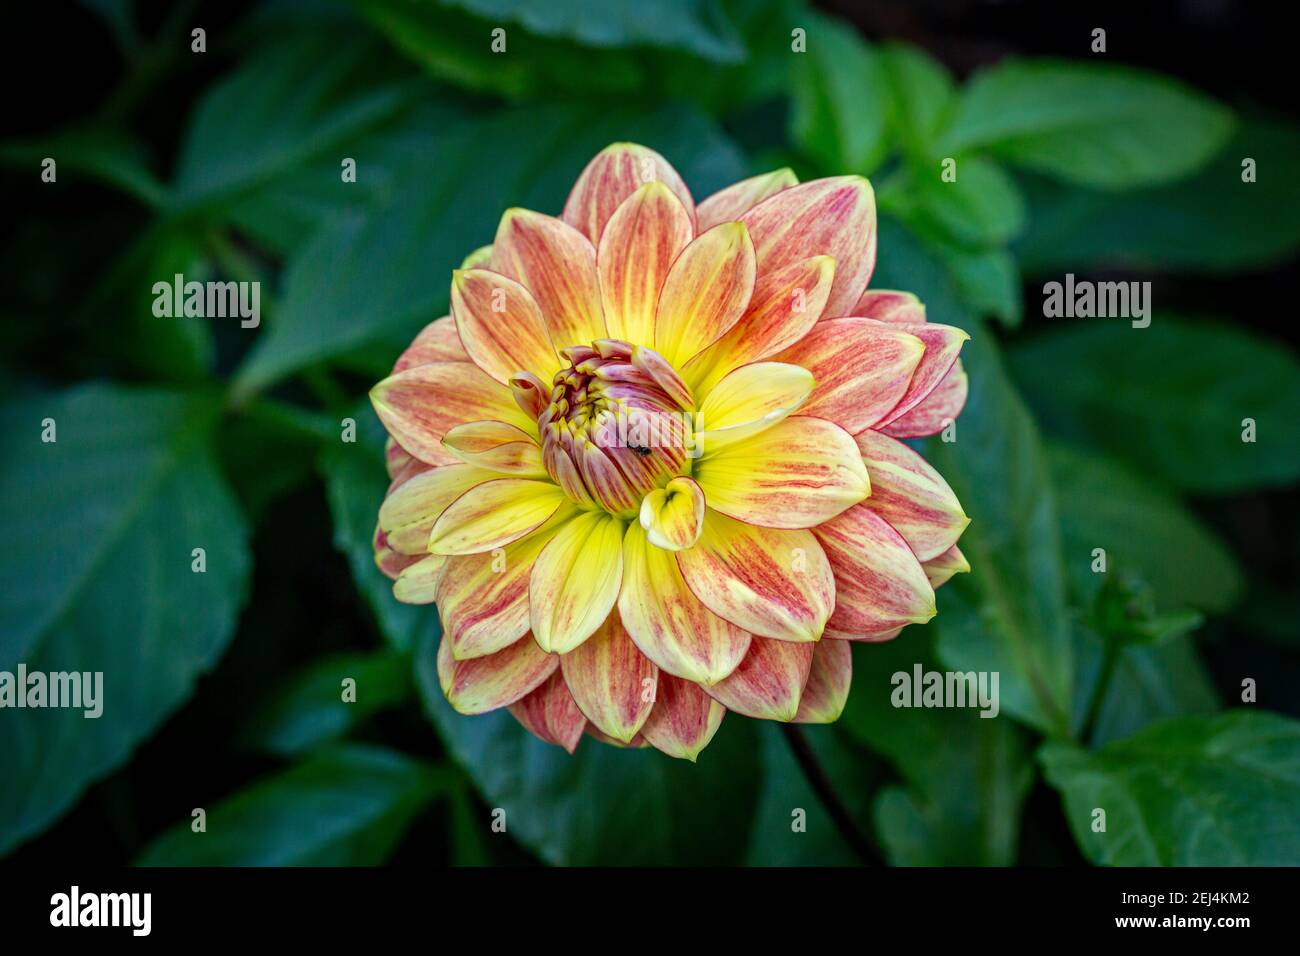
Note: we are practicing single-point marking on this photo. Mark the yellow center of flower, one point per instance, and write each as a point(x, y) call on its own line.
point(615, 423)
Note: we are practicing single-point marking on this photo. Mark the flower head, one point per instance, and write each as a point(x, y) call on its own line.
point(649, 468)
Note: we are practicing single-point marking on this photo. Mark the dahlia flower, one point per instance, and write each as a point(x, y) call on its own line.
point(649, 467)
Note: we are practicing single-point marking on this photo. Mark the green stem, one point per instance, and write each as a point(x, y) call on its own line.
point(1109, 662)
point(822, 785)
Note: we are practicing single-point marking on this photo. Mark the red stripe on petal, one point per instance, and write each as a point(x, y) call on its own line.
point(769, 681)
point(551, 713)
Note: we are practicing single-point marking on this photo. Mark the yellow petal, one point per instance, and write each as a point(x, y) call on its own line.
point(706, 292)
point(412, 507)
point(640, 242)
point(749, 400)
point(673, 516)
point(483, 598)
point(418, 583)
point(575, 581)
point(668, 622)
point(796, 474)
point(494, 514)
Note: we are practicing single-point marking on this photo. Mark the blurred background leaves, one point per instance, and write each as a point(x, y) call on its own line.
point(182, 433)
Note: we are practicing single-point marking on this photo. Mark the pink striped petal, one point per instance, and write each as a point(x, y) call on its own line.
point(615, 173)
point(386, 559)
point(667, 622)
point(908, 493)
point(551, 713)
point(939, 570)
point(437, 342)
point(613, 682)
point(796, 474)
point(784, 307)
point(739, 198)
point(873, 637)
point(636, 743)
point(827, 689)
point(684, 718)
point(500, 679)
point(497, 447)
point(557, 265)
point(879, 584)
point(770, 583)
point(413, 506)
point(420, 405)
point(936, 411)
point(769, 681)
point(861, 367)
point(942, 345)
point(501, 326)
point(638, 247)
point(826, 217)
point(706, 292)
point(886, 305)
point(396, 458)
point(483, 598)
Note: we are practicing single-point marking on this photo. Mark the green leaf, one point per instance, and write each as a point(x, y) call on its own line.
point(457, 47)
point(922, 95)
point(1212, 221)
point(310, 709)
point(355, 484)
point(988, 282)
point(103, 154)
point(442, 206)
point(785, 790)
point(931, 822)
point(698, 27)
point(286, 118)
point(1106, 126)
point(1197, 791)
point(841, 101)
point(981, 207)
point(1142, 529)
point(1009, 614)
point(1171, 399)
point(1148, 683)
point(603, 805)
point(96, 567)
point(347, 806)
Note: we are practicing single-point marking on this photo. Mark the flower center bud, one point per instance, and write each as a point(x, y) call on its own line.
point(616, 423)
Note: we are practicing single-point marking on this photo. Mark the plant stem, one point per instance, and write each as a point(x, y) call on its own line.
point(825, 790)
point(1109, 661)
